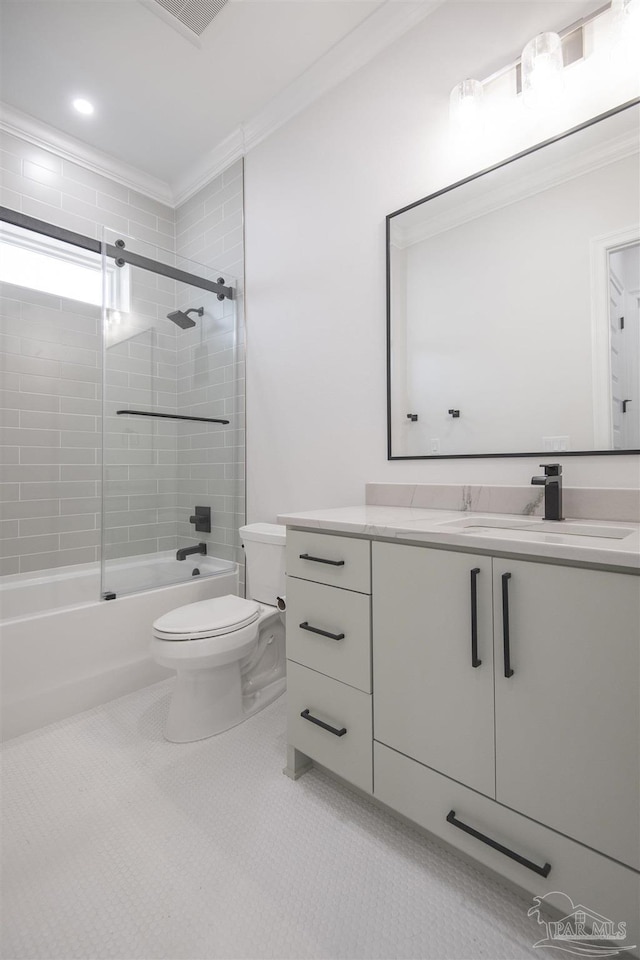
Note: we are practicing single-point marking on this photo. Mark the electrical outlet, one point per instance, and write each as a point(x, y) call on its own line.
point(555, 444)
point(434, 445)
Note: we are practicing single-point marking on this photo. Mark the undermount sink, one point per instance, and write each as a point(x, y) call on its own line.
point(574, 528)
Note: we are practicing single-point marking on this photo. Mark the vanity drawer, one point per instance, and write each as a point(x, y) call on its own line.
point(338, 561)
point(590, 879)
point(346, 655)
point(340, 707)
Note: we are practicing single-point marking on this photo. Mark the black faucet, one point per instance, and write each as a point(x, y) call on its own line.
point(184, 552)
point(552, 482)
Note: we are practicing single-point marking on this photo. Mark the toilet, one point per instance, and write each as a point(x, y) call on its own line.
point(228, 652)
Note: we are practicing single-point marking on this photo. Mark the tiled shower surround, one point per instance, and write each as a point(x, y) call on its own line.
point(51, 371)
point(50, 471)
point(211, 461)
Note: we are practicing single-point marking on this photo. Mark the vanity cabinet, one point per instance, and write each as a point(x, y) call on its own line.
point(329, 702)
point(506, 705)
point(568, 718)
point(433, 660)
point(551, 652)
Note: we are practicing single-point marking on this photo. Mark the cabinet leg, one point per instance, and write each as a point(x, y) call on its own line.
point(297, 763)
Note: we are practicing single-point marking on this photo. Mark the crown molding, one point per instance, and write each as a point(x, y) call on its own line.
point(215, 162)
point(49, 138)
point(380, 29)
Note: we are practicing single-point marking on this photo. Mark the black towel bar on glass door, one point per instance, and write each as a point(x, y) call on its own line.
point(167, 416)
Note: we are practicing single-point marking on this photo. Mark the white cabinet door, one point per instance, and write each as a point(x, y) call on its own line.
point(568, 716)
point(430, 701)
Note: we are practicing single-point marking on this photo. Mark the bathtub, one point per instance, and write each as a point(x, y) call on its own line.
point(64, 650)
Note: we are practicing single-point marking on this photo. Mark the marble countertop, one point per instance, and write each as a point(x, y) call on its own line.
point(430, 526)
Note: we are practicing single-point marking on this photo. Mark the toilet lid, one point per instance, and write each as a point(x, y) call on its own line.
point(209, 618)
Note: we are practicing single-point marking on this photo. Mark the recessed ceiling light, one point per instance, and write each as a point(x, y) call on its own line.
point(83, 106)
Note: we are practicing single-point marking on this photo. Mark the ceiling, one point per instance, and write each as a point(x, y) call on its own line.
point(164, 98)
point(172, 109)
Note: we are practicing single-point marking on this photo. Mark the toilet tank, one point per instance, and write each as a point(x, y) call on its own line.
point(264, 547)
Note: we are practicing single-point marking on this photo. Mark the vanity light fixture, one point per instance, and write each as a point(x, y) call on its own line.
point(465, 108)
point(539, 73)
point(83, 106)
point(542, 66)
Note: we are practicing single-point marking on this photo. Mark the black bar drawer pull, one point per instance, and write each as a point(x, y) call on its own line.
point(542, 871)
point(322, 633)
point(333, 563)
point(325, 726)
point(508, 672)
point(475, 662)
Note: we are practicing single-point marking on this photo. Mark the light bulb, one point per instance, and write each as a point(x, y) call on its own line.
point(542, 65)
point(465, 109)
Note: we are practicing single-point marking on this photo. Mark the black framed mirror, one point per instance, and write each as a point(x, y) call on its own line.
point(513, 304)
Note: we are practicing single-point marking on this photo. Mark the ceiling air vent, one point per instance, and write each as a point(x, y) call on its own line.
point(195, 15)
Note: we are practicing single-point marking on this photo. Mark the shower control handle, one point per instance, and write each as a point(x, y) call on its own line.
point(202, 519)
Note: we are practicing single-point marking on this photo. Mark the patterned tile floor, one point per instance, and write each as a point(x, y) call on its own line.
point(118, 844)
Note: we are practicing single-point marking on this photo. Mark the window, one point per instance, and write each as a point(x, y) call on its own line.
point(52, 266)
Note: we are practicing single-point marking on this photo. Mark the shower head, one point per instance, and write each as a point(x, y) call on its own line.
point(182, 319)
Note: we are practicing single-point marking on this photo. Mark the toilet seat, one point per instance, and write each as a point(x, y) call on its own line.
point(207, 619)
point(209, 652)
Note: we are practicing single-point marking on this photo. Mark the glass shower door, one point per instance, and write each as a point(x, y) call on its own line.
point(171, 422)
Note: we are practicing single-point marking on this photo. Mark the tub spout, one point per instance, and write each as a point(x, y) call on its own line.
point(185, 552)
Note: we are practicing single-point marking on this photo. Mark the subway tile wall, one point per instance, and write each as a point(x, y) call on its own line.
point(140, 479)
point(50, 435)
point(59, 191)
point(211, 377)
point(51, 366)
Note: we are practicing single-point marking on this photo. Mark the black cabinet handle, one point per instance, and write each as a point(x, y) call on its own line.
point(542, 871)
point(322, 633)
point(508, 672)
point(475, 662)
point(325, 726)
point(334, 563)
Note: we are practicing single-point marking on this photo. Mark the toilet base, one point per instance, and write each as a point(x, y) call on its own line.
point(211, 695)
point(204, 702)
point(207, 702)
point(258, 701)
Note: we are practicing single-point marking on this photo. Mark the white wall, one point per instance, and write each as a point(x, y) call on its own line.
point(502, 329)
point(316, 195)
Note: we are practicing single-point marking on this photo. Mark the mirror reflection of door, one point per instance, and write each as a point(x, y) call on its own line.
point(624, 336)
